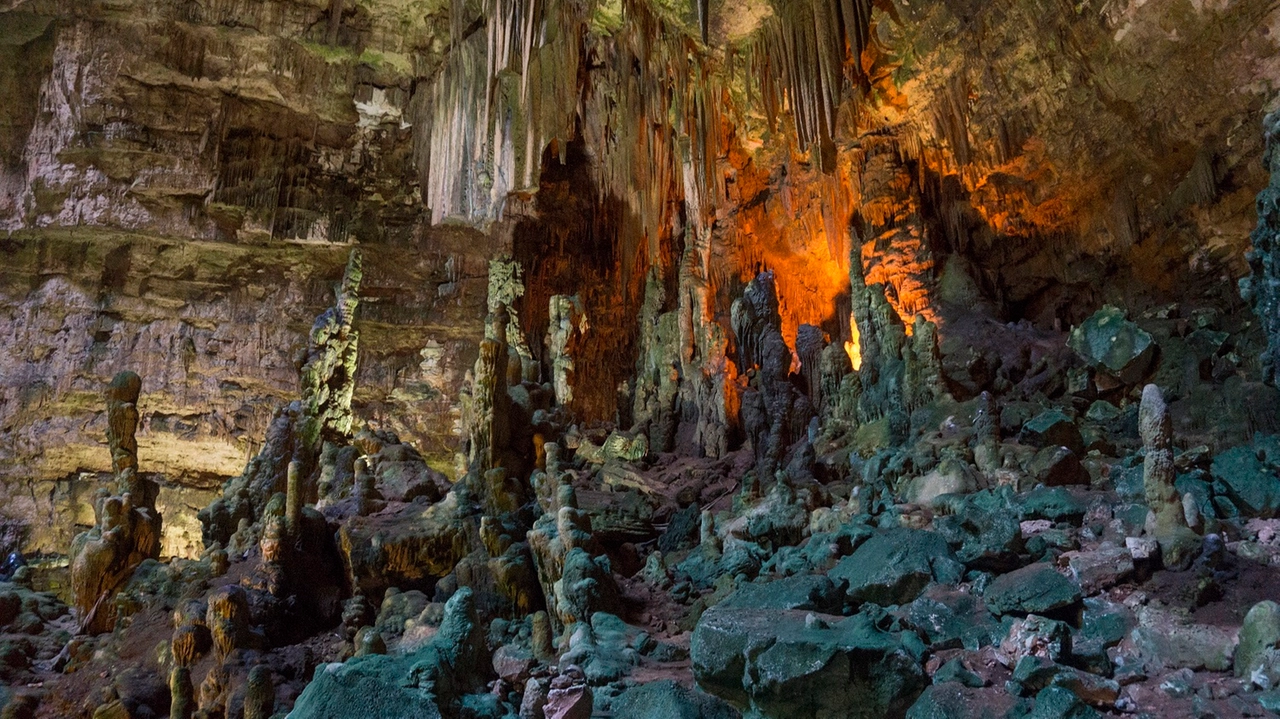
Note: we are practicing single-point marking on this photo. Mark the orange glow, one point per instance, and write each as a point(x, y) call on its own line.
point(800, 231)
point(853, 347)
point(797, 223)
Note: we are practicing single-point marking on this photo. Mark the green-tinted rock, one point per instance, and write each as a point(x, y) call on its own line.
point(1052, 428)
point(1102, 411)
point(1057, 466)
point(1109, 342)
point(603, 648)
point(1034, 589)
point(668, 699)
point(810, 592)
point(895, 566)
point(1199, 488)
point(1103, 625)
point(1128, 483)
point(952, 701)
point(1060, 703)
point(944, 617)
point(955, 671)
point(984, 531)
point(1056, 504)
point(1261, 631)
point(1270, 701)
point(1249, 476)
point(1167, 640)
point(781, 663)
point(414, 686)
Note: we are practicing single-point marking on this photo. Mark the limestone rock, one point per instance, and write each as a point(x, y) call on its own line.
point(1056, 467)
point(984, 531)
point(1053, 428)
point(1170, 641)
point(1034, 589)
point(952, 701)
point(813, 592)
point(1250, 477)
point(127, 526)
point(1262, 288)
point(1260, 633)
point(895, 566)
point(569, 698)
point(786, 663)
point(1035, 636)
point(1099, 569)
point(1109, 342)
point(669, 700)
point(416, 685)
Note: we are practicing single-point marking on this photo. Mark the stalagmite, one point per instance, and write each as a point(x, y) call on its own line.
point(1166, 519)
point(293, 500)
point(488, 431)
point(127, 525)
point(260, 694)
point(767, 403)
point(328, 372)
point(182, 703)
point(564, 313)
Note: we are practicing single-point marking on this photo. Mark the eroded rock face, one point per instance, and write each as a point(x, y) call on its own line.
point(1262, 288)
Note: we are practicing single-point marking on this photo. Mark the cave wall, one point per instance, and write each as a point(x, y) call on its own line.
point(180, 183)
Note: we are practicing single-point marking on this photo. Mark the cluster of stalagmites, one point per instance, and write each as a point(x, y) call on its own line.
point(926, 534)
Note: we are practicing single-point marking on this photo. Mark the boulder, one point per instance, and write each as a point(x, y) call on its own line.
point(949, 618)
point(954, 701)
point(1100, 568)
point(1249, 476)
point(1032, 674)
point(569, 698)
point(412, 686)
point(1057, 466)
point(1108, 342)
point(894, 567)
point(1260, 633)
point(951, 476)
point(585, 587)
point(1060, 703)
point(813, 592)
point(1168, 640)
point(408, 546)
point(403, 476)
point(1103, 625)
point(669, 700)
point(1034, 589)
point(1052, 428)
point(956, 671)
point(604, 649)
point(1035, 636)
point(788, 663)
point(1056, 504)
point(984, 531)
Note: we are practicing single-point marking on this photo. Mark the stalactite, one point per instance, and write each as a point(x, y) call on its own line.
point(808, 58)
